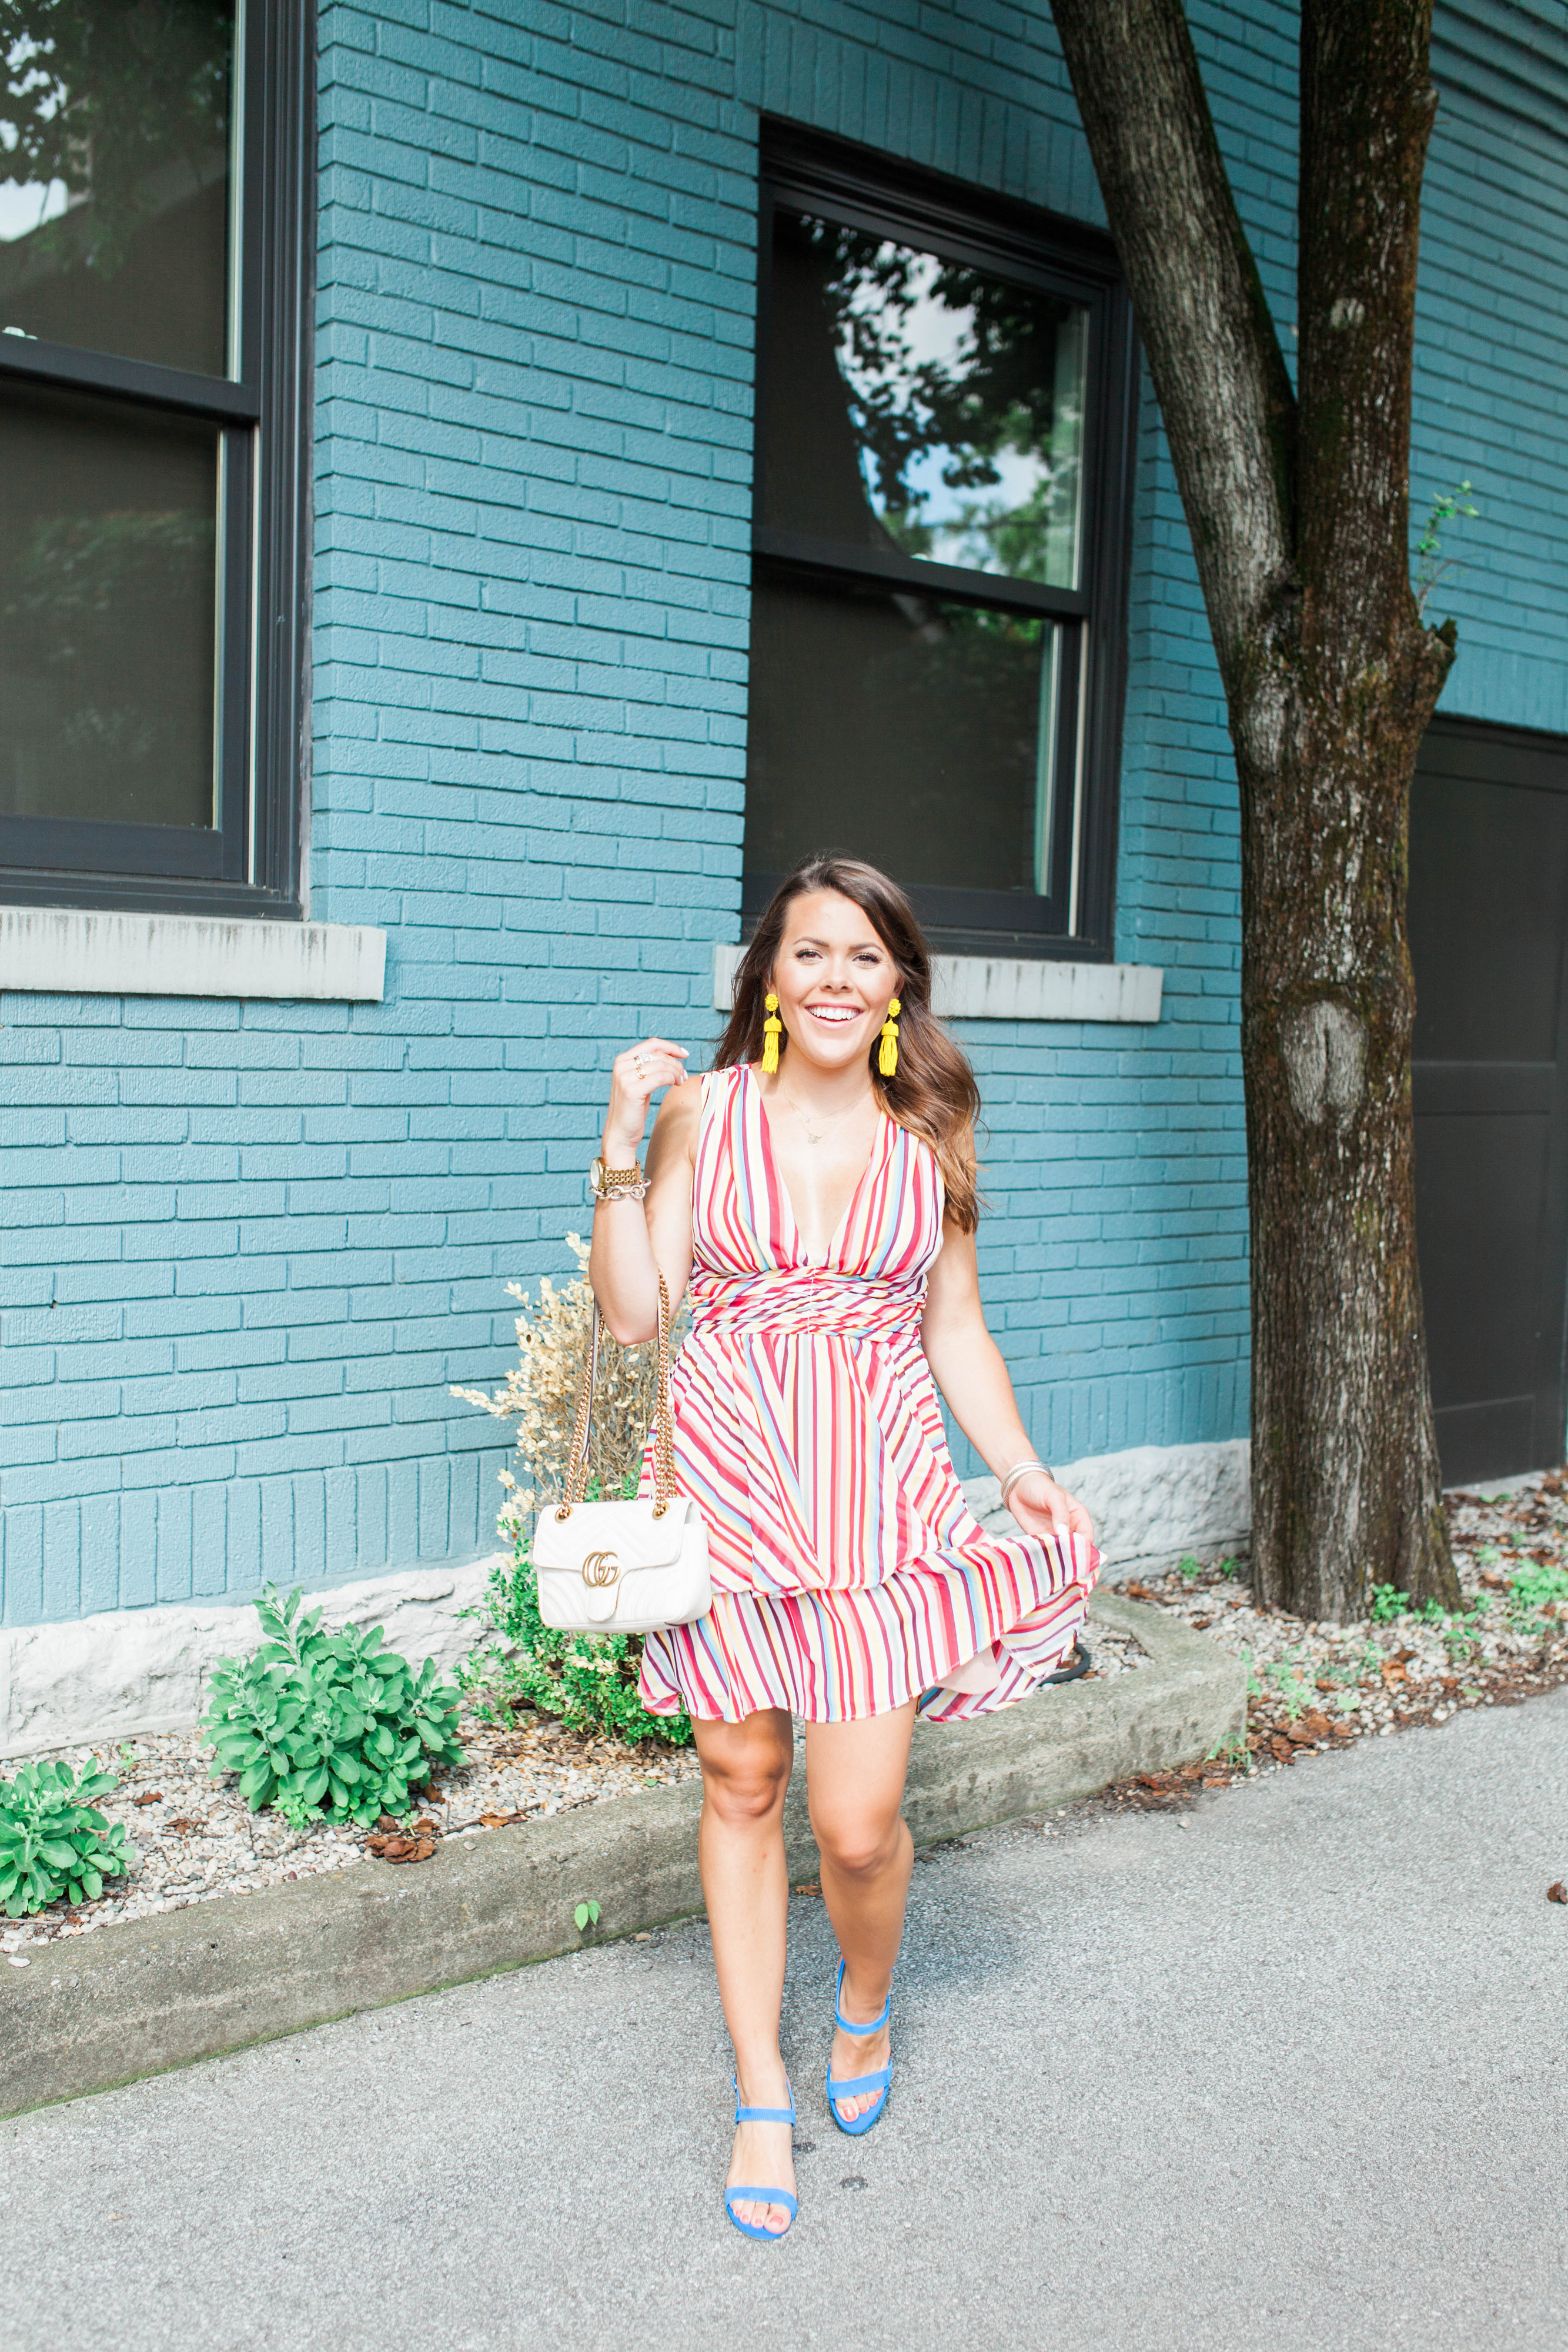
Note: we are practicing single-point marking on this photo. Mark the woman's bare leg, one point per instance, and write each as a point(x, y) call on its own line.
point(740, 1850)
point(854, 1780)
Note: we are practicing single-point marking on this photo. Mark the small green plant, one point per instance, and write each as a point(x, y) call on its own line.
point(54, 1841)
point(1460, 1632)
point(1189, 1570)
point(587, 1916)
point(328, 1725)
point(1536, 1584)
point(1389, 1601)
point(1293, 1689)
point(588, 1680)
point(1431, 563)
point(1231, 1750)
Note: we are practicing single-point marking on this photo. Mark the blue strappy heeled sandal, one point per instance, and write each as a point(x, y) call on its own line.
point(762, 2196)
point(880, 2081)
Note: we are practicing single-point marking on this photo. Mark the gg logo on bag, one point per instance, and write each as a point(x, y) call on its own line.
point(600, 1568)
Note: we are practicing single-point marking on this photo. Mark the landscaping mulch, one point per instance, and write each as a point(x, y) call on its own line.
point(1314, 1687)
point(195, 1838)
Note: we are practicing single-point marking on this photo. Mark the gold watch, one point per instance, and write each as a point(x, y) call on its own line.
point(616, 1183)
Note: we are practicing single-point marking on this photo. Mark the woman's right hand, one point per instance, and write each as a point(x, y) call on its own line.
point(636, 1078)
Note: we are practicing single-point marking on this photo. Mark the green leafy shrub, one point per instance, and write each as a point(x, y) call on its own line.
point(328, 1725)
point(588, 1680)
point(53, 1840)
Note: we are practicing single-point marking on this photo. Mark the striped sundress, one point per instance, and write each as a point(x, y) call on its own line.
point(848, 1573)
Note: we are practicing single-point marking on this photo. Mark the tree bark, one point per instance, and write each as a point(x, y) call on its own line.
point(1299, 513)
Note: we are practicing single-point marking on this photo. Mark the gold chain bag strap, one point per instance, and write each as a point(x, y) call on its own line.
point(616, 1567)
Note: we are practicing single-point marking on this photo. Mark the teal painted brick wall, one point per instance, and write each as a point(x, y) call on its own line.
point(1492, 384)
point(247, 1246)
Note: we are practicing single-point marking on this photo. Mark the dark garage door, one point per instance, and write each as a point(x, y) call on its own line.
point(1489, 924)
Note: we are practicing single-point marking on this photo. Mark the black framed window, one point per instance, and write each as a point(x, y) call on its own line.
point(155, 232)
point(939, 536)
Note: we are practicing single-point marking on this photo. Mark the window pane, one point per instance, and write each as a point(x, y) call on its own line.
point(913, 402)
point(114, 202)
point(914, 732)
point(108, 572)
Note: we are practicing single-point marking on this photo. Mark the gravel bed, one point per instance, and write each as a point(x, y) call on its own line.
point(1114, 1652)
point(196, 1839)
point(1314, 1686)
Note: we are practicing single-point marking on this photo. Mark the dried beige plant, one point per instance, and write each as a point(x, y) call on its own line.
point(541, 1394)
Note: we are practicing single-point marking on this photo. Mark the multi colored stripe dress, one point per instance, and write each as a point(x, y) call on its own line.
point(848, 1573)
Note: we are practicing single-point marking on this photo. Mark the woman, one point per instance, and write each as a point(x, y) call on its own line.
point(816, 1193)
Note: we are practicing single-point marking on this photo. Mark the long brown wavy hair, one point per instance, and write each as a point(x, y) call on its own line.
point(933, 1091)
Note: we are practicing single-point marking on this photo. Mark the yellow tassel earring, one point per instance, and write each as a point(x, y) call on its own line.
point(887, 1053)
point(772, 1030)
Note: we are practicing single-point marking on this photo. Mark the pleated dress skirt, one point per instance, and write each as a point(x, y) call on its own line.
point(848, 1573)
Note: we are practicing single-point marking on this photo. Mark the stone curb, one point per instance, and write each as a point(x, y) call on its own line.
point(152, 1994)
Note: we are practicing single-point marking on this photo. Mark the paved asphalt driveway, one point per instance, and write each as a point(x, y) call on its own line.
point(1290, 2078)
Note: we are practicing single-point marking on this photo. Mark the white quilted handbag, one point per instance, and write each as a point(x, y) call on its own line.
point(622, 1567)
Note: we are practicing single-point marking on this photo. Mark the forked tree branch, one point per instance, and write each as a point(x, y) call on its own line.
point(1224, 391)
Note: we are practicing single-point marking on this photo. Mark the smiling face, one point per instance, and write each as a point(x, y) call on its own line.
point(833, 977)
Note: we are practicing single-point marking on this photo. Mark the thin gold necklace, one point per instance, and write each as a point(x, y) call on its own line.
point(821, 1114)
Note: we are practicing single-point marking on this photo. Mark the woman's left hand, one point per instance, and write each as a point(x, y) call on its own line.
point(1041, 1507)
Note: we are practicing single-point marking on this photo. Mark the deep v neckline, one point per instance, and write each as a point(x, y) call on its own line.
point(878, 1141)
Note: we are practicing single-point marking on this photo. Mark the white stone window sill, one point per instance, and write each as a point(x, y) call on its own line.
point(79, 952)
point(1013, 988)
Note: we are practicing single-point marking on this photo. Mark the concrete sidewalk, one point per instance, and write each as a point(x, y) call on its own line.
point(1290, 2075)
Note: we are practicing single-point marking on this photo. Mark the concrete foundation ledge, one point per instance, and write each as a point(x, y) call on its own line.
point(1151, 1505)
point(126, 1671)
point(139, 1999)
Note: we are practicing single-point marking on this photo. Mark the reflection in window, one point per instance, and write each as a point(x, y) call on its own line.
point(916, 401)
point(115, 132)
point(940, 717)
point(108, 591)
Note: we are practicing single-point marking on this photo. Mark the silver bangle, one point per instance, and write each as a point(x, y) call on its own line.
point(1021, 1470)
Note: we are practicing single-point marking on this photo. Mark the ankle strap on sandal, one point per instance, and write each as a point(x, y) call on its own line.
point(764, 2115)
point(847, 2024)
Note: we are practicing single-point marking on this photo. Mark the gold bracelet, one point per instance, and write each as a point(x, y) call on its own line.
point(616, 1183)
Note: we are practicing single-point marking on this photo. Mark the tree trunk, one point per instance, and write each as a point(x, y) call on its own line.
point(1345, 1484)
point(1299, 513)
